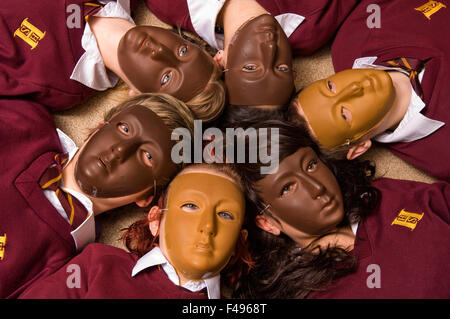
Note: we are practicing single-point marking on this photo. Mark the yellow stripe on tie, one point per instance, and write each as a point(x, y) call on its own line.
point(72, 210)
point(50, 182)
point(92, 4)
point(392, 63)
point(406, 63)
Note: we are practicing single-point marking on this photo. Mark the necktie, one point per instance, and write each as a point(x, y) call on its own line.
point(412, 66)
point(91, 8)
point(51, 180)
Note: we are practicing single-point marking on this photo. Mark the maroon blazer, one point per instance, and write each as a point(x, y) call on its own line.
point(407, 32)
point(322, 18)
point(37, 240)
point(105, 272)
point(402, 247)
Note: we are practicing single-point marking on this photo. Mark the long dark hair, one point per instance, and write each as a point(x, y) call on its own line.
point(281, 268)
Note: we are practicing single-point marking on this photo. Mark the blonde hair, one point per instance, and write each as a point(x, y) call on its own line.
point(210, 103)
point(172, 111)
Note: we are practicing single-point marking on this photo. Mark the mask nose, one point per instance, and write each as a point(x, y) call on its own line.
point(121, 151)
point(314, 188)
point(160, 52)
point(352, 90)
point(207, 225)
point(270, 50)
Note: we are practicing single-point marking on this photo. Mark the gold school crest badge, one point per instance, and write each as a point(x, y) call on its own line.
point(430, 8)
point(29, 33)
point(407, 219)
point(2, 246)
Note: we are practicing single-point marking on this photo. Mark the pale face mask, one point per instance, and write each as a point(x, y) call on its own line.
point(201, 225)
point(346, 106)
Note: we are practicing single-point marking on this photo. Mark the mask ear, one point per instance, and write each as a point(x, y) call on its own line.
point(267, 224)
point(154, 219)
point(358, 149)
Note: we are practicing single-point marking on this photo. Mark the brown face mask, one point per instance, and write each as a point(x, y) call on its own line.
point(126, 155)
point(259, 64)
point(346, 106)
point(303, 193)
point(205, 212)
point(157, 60)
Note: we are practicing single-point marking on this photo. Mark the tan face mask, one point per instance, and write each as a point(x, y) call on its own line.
point(202, 223)
point(346, 106)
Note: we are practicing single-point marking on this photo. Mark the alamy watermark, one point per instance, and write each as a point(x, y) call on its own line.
point(235, 145)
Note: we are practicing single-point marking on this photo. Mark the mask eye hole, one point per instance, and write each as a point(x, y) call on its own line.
point(226, 215)
point(148, 158)
point(183, 50)
point(346, 114)
point(123, 128)
point(190, 208)
point(331, 86)
point(166, 78)
point(249, 67)
point(283, 68)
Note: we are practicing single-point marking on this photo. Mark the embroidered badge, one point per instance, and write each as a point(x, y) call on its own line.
point(2, 246)
point(429, 8)
point(29, 33)
point(407, 219)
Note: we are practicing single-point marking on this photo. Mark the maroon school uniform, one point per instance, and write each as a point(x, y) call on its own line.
point(105, 272)
point(35, 239)
point(402, 247)
point(412, 29)
point(322, 18)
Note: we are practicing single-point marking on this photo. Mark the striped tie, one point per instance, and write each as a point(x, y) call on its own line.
point(413, 67)
point(51, 180)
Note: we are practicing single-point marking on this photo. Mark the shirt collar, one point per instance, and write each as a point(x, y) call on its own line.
point(155, 257)
point(414, 125)
point(90, 69)
point(204, 14)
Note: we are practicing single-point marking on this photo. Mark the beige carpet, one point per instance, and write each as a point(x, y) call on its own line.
point(78, 121)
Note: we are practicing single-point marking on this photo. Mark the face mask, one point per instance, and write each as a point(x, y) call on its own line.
point(259, 64)
point(303, 193)
point(126, 155)
point(202, 223)
point(346, 106)
point(157, 60)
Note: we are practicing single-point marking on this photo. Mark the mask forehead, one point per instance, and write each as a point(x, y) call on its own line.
point(261, 44)
point(199, 242)
point(366, 94)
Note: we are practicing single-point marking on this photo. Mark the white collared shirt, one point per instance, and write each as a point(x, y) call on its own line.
point(204, 14)
point(90, 69)
point(414, 125)
point(85, 233)
point(155, 257)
